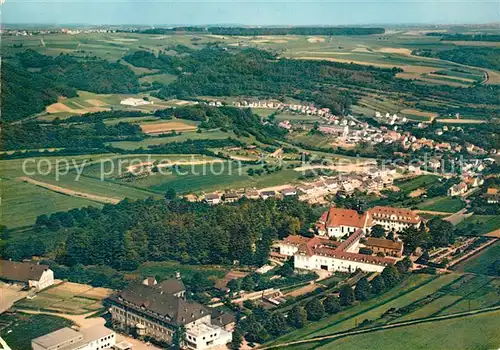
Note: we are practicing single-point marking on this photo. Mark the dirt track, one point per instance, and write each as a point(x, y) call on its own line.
point(67, 191)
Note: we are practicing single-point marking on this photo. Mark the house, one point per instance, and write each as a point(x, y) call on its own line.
point(393, 219)
point(252, 194)
point(230, 197)
point(492, 196)
point(457, 189)
point(337, 222)
point(385, 246)
point(318, 253)
point(290, 191)
point(32, 275)
point(212, 198)
point(267, 194)
point(159, 314)
point(473, 181)
point(93, 338)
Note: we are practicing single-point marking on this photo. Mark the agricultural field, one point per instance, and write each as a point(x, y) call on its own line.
point(68, 298)
point(419, 296)
point(482, 262)
point(160, 127)
point(422, 181)
point(470, 332)
point(481, 224)
point(18, 330)
point(442, 204)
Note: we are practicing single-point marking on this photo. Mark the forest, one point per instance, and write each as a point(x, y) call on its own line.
point(33, 135)
point(466, 37)
point(26, 92)
point(124, 235)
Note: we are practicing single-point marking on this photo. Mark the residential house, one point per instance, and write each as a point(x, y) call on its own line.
point(212, 198)
point(290, 191)
point(457, 189)
point(230, 197)
point(267, 194)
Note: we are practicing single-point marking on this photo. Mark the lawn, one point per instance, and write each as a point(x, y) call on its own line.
point(485, 296)
point(18, 330)
point(444, 204)
point(482, 263)
point(470, 332)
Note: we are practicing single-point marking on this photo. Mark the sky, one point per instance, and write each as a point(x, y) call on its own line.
point(250, 12)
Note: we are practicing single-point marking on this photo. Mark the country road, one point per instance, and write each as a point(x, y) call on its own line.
point(389, 326)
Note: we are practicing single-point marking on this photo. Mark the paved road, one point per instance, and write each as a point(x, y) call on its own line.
point(389, 326)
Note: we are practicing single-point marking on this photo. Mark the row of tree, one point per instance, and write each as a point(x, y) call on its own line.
point(261, 325)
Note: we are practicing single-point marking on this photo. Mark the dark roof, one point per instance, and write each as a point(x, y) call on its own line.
point(222, 319)
point(165, 307)
point(383, 243)
point(21, 271)
point(171, 286)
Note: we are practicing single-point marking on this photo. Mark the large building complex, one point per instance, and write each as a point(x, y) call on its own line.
point(33, 276)
point(320, 253)
point(156, 311)
point(338, 222)
point(93, 338)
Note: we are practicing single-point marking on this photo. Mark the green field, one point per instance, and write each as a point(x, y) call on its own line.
point(470, 332)
point(160, 78)
point(422, 181)
point(419, 296)
point(348, 318)
point(482, 262)
point(443, 204)
point(480, 224)
point(18, 330)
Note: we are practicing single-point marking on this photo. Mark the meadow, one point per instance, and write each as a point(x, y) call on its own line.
point(418, 296)
point(482, 262)
point(422, 181)
point(442, 204)
point(18, 330)
point(480, 224)
point(470, 332)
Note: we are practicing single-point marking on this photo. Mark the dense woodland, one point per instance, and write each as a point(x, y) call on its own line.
point(129, 233)
point(26, 92)
point(33, 135)
point(248, 31)
point(486, 57)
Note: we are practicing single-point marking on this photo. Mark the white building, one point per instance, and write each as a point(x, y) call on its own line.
point(394, 219)
point(204, 336)
point(32, 275)
point(93, 338)
point(135, 102)
point(337, 222)
point(318, 253)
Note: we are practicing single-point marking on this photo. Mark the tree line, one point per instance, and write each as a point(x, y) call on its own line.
point(255, 31)
point(125, 235)
point(261, 325)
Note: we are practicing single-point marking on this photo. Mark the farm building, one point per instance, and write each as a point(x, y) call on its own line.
point(32, 275)
point(386, 246)
point(135, 102)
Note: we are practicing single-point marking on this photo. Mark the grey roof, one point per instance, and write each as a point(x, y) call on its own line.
point(163, 306)
point(171, 286)
point(21, 271)
point(58, 337)
point(95, 332)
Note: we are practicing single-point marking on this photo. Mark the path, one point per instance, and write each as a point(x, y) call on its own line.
point(69, 192)
point(389, 326)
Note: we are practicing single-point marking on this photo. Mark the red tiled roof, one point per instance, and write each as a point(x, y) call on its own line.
point(383, 243)
point(402, 214)
point(346, 217)
point(355, 236)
